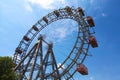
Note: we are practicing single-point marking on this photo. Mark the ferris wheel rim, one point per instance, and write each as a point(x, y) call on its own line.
point(66, 15)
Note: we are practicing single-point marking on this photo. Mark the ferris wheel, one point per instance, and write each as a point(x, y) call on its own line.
point(37, 58)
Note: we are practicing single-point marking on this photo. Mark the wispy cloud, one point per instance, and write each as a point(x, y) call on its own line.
point(99, 12)
point(28, 7)
point(103, 14)
point(91, 1)
point(91, 78)
point(61, 32)
point(47, 4)
point(42, 3)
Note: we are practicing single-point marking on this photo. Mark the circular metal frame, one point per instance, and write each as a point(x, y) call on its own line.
point(80, 48)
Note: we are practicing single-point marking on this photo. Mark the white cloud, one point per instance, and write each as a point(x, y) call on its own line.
point(43, 3)
point(47, 4)
point(57, 34)
point(28, 8)
point(103, 14)
point(91, 1)
point(91, 78)
point(62, 32)
point(99, 12)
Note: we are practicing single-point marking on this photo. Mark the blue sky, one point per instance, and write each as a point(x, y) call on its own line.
point(17, 17)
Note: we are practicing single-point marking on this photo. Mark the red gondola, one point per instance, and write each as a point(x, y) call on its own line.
point(90, 21)
point(93, 41)
point(26, 38)
point(35, 28)
point(68, 9)
point(45, 19)
point(80, 10)
point(56, 13)
point(18, 50)
point(82, 69)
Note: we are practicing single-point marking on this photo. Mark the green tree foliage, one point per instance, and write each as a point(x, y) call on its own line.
point(6, 69)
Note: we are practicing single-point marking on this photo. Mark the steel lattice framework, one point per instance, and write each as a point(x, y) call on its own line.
point(32, 65)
